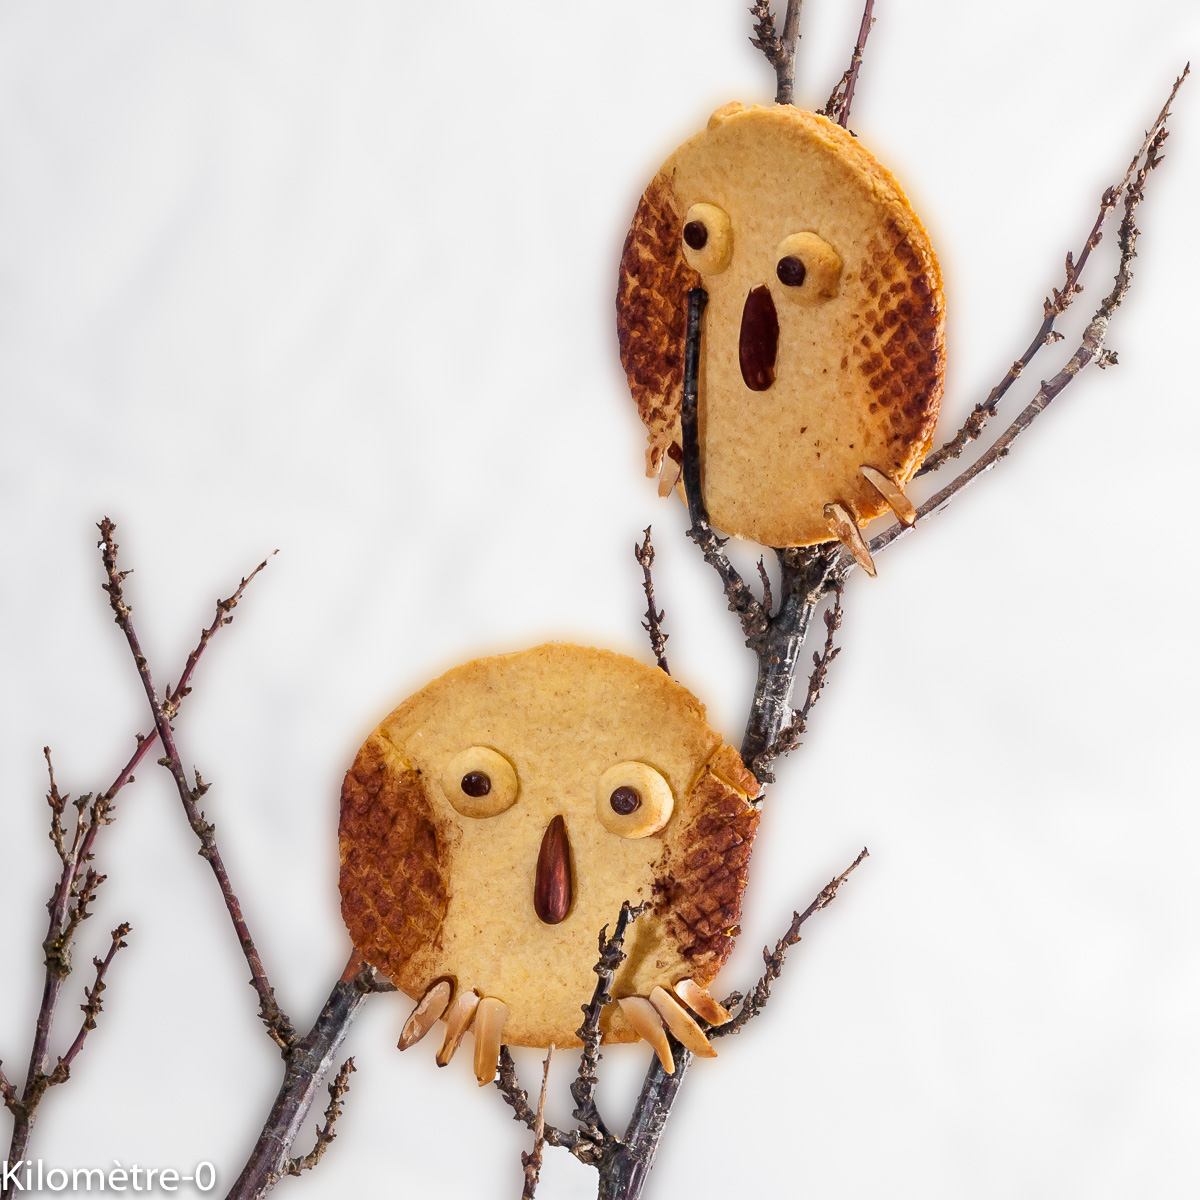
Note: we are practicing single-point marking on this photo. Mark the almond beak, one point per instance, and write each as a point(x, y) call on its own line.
point(758, 340)
point(552, 883)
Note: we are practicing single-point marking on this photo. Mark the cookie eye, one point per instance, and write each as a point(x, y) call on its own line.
point(707, 239)
point(809, 268)
point(633, 800)
point(480, 782)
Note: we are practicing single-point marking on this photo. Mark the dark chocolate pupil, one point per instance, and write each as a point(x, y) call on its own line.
point(625, 800)
point(476, 783)
point(695, 233)
point(791, 271)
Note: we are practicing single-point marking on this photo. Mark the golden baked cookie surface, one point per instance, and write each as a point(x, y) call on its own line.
point(855, 375)
point(431, 892)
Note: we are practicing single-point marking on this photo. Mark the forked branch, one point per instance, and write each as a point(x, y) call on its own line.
point(74, 891)
point(307, 1060)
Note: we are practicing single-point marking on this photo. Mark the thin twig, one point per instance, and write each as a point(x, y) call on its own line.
point(753, 1004)
point(273, 1017)
point(325, 1133)
point(531, 1163)
point(653, 622)
point(741, 600)
point(1091, 349)
point(837, 107)
point(780, 49)
point(95, 1005)
point(8, 1092)
point(1053, 306)
point(768, 601)
point(790, 735)
point(517, 1099)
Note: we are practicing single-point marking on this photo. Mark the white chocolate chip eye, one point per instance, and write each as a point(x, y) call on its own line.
point(809, 268)
point(707, 239)
point(633, 800)
point(480, 782)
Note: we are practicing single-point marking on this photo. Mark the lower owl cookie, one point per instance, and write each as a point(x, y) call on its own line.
point(498, 819)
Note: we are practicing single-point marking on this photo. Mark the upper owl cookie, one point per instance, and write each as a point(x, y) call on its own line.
point(823, 340)
point(496, 820)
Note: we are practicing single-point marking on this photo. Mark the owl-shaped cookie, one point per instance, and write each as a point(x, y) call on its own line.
point(498, 819)
point(822, 344)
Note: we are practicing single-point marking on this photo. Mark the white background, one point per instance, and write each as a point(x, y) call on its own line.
point(338, 279)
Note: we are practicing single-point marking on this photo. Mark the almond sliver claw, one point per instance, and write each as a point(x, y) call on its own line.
point(458, 1020)
point(681, 1024)
point(647, 1024)
point(701, 1003)
point(842, 526)
point(421, 1020)
point(490, 1018)
point(898, 502)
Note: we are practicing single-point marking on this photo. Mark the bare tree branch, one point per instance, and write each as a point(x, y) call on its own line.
point(1054, 305)
point(753, 1004)
point(92, 814)
point(307, 1061)
point(273, 1017)
point(806, 575)
point(531, 1163)
point(837, 107)
point(653, 622)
